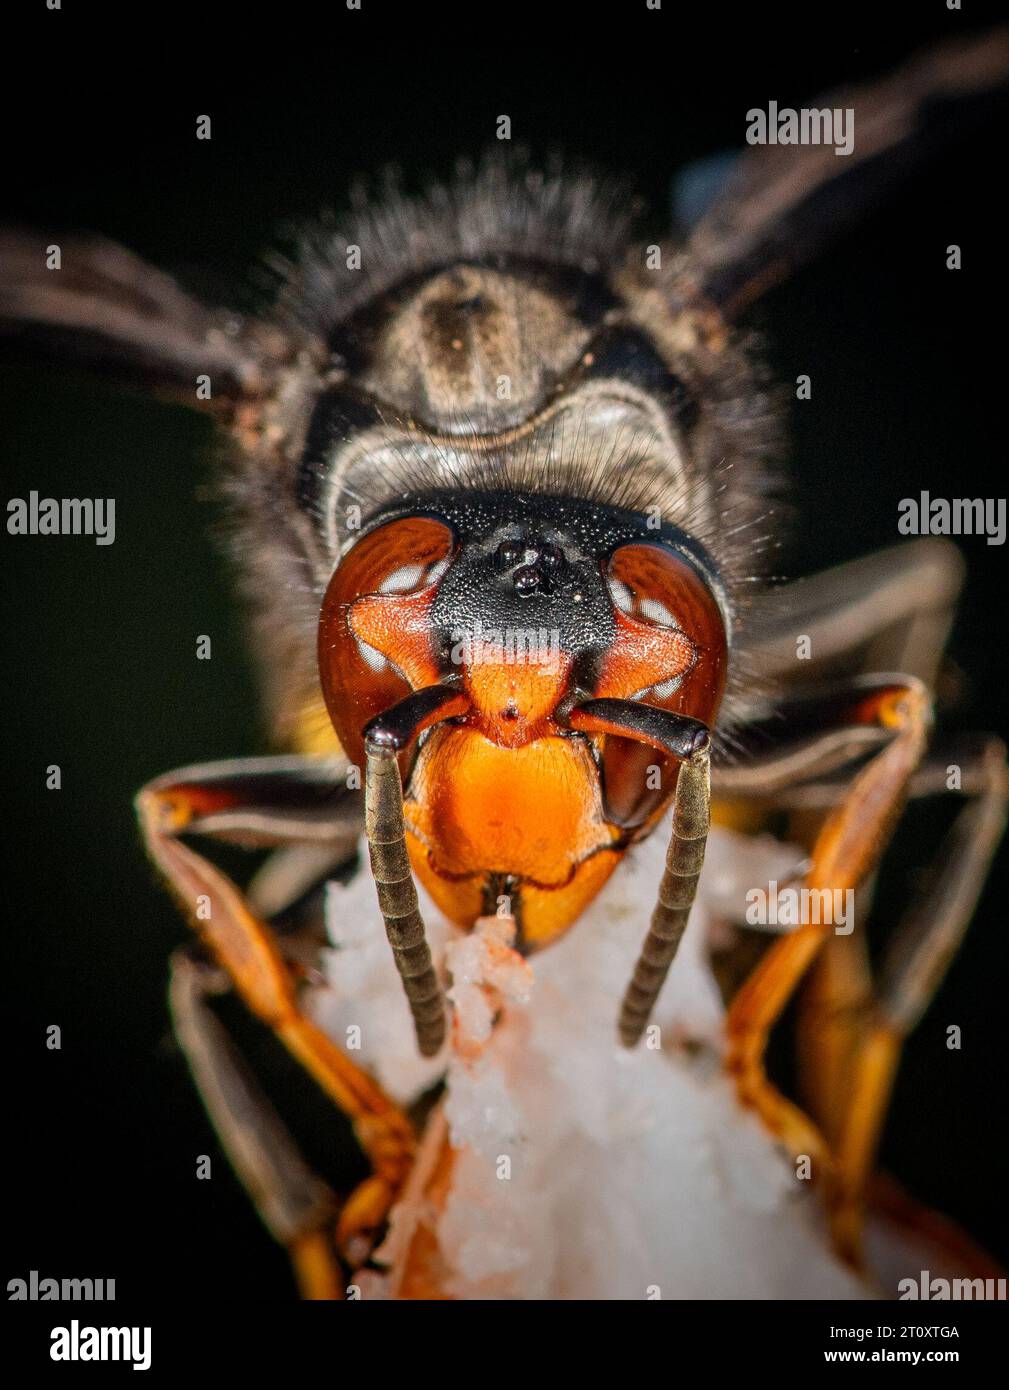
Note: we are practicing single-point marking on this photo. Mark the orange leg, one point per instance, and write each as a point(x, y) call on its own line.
point(868, 1098)
point(847, 848)
point(923, 945)
point(294, 1204)
point(834, 1008)
point(246, 949)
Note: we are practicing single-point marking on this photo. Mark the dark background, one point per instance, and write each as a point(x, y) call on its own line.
point(908, 394)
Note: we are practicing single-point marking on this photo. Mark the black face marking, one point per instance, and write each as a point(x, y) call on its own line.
point(526, 574)
point(593, 529)
point(562, 543)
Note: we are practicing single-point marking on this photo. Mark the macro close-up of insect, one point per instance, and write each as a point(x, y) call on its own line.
point(561, 876)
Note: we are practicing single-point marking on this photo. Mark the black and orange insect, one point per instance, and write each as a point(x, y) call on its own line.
point(505, 494)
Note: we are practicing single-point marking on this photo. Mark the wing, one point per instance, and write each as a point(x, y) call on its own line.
point(890, 611)
point(885, 615)
point(107, 307)
point(782, 202)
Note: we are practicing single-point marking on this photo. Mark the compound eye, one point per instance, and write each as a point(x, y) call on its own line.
point(647, 582)
point(397, 558)
point(669, 650)
point(375, 635)
point(669, 632)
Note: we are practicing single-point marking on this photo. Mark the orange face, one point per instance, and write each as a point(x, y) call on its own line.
point(510, 804)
